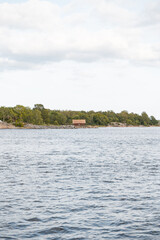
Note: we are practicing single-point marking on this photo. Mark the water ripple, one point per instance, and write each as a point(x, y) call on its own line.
point(80, 184)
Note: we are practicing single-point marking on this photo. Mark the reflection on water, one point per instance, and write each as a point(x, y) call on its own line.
point(80, 184)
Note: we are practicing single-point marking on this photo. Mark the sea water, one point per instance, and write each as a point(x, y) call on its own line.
point(80, 184)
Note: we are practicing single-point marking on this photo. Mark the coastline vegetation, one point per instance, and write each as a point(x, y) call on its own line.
point(39, 115)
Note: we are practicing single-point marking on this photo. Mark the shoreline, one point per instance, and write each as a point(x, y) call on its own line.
point(4, 125)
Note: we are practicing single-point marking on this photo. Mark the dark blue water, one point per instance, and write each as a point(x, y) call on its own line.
point(80, 184)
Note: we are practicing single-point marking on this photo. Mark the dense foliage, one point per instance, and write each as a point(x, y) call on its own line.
point(39, 115)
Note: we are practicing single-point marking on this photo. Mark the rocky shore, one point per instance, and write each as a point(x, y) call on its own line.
point(4, 125)
point(31, 126)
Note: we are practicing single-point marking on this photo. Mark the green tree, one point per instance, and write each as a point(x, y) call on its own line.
point(153, 120)
point(45, 115)
point(145, 119)
point(37, 117)
point(39, 107)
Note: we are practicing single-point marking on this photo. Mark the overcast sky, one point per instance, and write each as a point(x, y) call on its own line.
point(81, 54)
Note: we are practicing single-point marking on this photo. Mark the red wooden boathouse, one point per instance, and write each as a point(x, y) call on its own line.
point(79, 122)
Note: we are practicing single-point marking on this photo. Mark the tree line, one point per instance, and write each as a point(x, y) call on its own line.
point(39, 115)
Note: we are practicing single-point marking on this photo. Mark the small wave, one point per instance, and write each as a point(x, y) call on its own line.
point(35, 219)
point(53, 230)
point(7, 238)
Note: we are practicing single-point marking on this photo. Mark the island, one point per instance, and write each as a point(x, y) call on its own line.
point(40, 117)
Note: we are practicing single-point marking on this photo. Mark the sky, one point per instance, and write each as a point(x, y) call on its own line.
point(81, 54)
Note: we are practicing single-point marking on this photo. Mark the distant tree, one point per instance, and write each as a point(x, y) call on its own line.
point(7, 114)
point(39, 107)
point(145, 119)
point(123, 116)
point(112, 116)
point(129, 122)
point(153, 120)
point(100, 119)
point(37, 117)
point(45, 115)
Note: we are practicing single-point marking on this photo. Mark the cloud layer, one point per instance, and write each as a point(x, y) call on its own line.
point(37, 32)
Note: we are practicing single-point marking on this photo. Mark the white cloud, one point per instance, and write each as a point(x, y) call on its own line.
point(36, 32)
point(112, 13)
point(152, 13)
